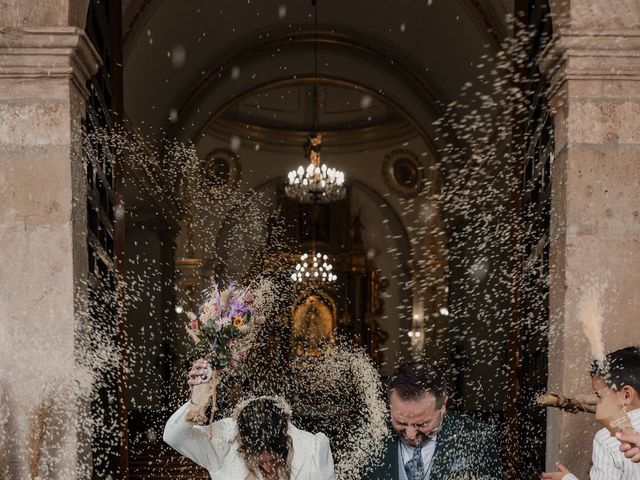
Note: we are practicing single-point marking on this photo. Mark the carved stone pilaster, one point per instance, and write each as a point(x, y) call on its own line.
point(595, 232)
point(591, 55)
point(51, 52)
point(43, 230)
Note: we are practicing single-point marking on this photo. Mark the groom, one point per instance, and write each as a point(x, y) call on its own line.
point(429, 442)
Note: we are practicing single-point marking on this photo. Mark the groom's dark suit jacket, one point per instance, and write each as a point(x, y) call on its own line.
point(463, 446)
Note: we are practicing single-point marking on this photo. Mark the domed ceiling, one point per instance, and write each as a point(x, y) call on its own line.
point(185, 63)
point(283, 117)
point(291, 108)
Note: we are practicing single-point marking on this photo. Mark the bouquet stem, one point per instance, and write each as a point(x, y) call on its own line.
point(214, 390)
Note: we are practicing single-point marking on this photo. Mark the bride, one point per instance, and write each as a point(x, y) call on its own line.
point(258, 442)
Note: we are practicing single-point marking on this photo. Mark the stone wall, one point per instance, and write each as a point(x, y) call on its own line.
point(43, 70)
point(594, 67)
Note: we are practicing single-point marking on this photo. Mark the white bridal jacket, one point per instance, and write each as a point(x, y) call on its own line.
point(311, 459)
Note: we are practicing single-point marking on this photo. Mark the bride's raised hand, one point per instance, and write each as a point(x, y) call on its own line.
point(199, 373)
point(203, 382)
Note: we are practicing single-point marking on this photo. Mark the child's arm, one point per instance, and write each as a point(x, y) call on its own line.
point(562, 474)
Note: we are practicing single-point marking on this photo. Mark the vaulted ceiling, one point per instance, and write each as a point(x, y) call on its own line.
point(187, 63)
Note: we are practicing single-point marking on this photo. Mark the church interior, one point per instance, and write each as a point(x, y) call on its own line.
point(247, 84)
point(456, 232)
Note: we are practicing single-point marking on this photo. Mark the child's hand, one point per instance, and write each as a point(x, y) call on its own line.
point(559, 475)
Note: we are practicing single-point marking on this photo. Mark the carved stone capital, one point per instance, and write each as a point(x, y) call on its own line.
point(50, 52)
point(602, 55)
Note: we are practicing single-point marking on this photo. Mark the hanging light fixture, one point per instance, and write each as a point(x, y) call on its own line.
point(314, 267)
point(316, 183)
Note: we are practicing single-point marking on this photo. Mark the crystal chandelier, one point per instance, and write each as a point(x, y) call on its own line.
point(317, 183)
point(314, 267)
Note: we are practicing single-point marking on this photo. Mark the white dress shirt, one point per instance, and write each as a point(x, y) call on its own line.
point(608, 462)
point(427, 451)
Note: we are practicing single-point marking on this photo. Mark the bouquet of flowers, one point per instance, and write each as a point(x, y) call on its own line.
point(222, 328)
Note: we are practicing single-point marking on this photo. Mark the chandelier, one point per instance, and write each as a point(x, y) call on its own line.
point(314, 267)
point(317, 183)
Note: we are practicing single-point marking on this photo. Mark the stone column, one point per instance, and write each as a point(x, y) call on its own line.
point(43, 253)
point(594, 67)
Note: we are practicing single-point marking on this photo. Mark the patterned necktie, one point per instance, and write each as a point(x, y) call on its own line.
point(415, 467)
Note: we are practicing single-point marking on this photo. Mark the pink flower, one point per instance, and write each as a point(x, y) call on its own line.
point(247, 297)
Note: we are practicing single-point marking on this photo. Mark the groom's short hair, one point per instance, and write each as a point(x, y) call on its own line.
point(413, 380)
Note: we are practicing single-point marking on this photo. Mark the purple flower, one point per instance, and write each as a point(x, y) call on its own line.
point(238, 308)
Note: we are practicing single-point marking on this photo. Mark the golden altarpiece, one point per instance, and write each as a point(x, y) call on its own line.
point(324, 312)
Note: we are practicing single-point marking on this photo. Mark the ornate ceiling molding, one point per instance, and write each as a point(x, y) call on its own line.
point(602, 55)
point(347, 141)
point(487, 21)
point(332, 45)
point(403, 173)
point(483, 16)
point(134, 18)
point(382, 135)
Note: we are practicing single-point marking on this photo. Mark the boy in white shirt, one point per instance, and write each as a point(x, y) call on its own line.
point(618, 384)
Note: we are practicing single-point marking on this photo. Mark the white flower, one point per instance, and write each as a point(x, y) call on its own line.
point(224, 298)
point(221, 322)
point(192, 334)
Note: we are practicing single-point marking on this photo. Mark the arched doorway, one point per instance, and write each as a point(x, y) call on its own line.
point(206, 108)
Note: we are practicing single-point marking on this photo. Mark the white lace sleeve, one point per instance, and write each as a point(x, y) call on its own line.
point(193, 441)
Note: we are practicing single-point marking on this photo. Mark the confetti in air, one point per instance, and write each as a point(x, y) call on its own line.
point(461, 223)
point(590, 314)
point(178, 56)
